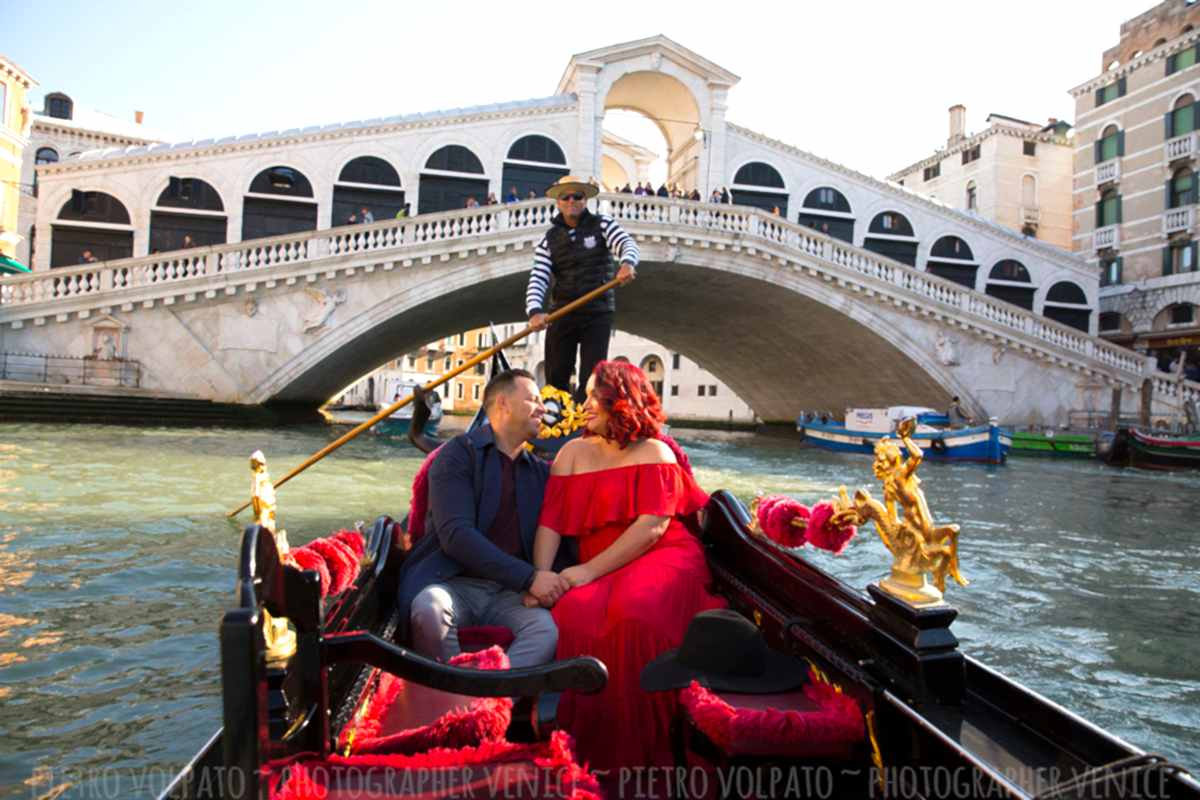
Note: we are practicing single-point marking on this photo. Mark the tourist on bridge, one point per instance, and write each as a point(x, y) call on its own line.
point(573, 258)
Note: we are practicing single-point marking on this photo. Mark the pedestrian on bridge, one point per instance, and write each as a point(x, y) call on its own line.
point(573, 258)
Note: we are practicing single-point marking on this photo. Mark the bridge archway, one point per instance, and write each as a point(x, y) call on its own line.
point(834, 351)
point(188, 212)
point(674, 109)
point(101, 230)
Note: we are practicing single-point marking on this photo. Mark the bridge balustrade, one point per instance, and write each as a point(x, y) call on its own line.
point(747, 226)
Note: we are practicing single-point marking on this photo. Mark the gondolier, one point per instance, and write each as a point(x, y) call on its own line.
point(574, 257)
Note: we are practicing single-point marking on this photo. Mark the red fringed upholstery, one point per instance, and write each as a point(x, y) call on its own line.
point(493, 769)
point(484, 719)
point(831, 731)
point(419, 505)
point(336, 559)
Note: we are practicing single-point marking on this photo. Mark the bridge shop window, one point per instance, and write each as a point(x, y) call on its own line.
point(1181, 119)
point(890, 234)
point(105, 232)
point(448, 180)
point(1009, 281)
point(760, 185)
point(1110, 145)
point(366, 182)
point(951, 258)
point(1066, 303)
point(279, 202)
point(188, 213)
point(58, 105)
point(1182, 314)
point(533, 163)
point(1110, 322)
point(828, 211)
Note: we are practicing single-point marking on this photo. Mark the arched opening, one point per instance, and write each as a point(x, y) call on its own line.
point(1181, 120)
point(533, 163)
point(652, 365)
point(44, 155)
point(673, 110)
point(951, 258)
point(1067, 303)
point(280, 201)
point(188, 213)
point(1110, 145)
point(1009, 281)
point(367, 190)
point(451, 180)
point(104, 232)
point(632, 151)
point(827, 210)
point(760, 185)
point(890, 234)
point(1176, 315)
point(613, 176)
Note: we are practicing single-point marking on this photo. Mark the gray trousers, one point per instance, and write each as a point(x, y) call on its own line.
point(461, 602)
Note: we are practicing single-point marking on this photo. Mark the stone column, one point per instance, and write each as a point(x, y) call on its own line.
point(713, 160)
point(590, 119)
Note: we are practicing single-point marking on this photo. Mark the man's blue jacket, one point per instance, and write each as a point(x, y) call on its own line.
point(464, 498)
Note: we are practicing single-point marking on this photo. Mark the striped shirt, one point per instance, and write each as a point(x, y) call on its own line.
point(618, 240)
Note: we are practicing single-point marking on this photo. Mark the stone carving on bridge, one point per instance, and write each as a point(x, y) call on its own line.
point(946, 348)
point(325, 302)
point(998, 353)
point(251, 307)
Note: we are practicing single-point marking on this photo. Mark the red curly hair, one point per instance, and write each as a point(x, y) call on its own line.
point(634, 409)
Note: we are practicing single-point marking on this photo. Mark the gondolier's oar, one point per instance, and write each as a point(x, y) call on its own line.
point(484, 356)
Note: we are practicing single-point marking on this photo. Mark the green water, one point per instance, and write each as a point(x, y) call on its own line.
point(116, 563)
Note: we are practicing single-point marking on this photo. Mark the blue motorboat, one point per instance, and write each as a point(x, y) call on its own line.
point(864, 427)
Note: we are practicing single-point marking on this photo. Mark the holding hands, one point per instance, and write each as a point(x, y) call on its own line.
point(546, 588)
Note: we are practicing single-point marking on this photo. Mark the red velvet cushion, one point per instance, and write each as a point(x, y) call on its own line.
point(815, 722)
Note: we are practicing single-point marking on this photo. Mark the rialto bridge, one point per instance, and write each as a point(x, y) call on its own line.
point(857, 292)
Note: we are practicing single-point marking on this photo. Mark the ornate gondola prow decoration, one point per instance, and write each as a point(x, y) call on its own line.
point(562, 417)
point(920, 549)
point(280, 639)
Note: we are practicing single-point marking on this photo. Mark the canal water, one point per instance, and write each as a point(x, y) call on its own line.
point(116, 563)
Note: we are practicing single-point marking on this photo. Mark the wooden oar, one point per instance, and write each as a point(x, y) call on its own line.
point(484, 356)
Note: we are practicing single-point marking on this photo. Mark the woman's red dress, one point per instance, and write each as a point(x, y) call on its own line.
point(632, 615)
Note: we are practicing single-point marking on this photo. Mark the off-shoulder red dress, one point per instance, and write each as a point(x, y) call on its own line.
point(630, 616)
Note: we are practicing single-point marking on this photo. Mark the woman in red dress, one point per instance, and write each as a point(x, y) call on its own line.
point(623, 490)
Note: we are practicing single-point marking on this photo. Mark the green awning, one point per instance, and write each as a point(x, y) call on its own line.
point(11, 266)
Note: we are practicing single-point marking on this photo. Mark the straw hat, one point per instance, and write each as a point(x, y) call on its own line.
point(572, 183)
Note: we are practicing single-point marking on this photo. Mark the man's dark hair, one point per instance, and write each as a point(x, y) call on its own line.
point(502, 382)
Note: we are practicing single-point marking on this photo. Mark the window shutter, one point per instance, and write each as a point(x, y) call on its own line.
point(1194, 194)
point(1195, 113)
point(1167, 196)
point(1197, 49)
point(1121, 87)
point(1166, 265)
point(1195, 253)
point(1099, 215)
point(1099, 97)
point(1171, 64)
point(1097, 149)
point(1119, 220)
point(1120, 268)
point(1167, 125)
point(1120, 143)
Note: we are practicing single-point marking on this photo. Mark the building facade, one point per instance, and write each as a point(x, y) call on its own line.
point(1135, 186)
point(1014, 173)
point(15, 116)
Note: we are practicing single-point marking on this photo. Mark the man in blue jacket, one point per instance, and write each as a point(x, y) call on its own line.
point(473, 566)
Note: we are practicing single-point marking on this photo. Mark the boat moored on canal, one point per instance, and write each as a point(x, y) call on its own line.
point(1133, 447)
point(864, 428)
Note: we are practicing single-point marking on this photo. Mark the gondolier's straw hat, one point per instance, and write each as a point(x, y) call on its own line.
point(572, 183)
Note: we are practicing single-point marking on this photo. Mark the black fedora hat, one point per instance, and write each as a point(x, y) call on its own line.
point(724, 651)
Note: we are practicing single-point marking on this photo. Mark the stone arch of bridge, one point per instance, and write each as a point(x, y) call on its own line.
point(784, 343)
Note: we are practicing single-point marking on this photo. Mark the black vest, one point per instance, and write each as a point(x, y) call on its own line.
point(582, 265)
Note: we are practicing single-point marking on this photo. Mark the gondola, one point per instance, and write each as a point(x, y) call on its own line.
point(935, 721)
point(1153, 450)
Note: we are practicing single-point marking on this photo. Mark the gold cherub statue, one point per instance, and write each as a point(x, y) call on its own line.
point(280, 639)
point(918, 547)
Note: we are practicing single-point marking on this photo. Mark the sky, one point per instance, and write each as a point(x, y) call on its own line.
point(866, 83)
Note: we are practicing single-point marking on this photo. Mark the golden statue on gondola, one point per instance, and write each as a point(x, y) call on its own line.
point(280, 639)
point(919, 548)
